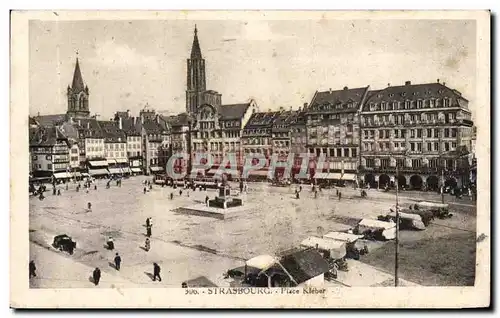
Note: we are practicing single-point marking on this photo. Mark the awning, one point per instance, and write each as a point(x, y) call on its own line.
point(156, 169)
point(222, 171)
point(320, 175)
point(99, 163)
point(262, 173)
point(126, 170)
point(349, 176)
point(115, 170)
point(98, 172)
point(111, 161)
point(334, 176)
point(62, 175)
point(122, 160)
point(136, 170)
point(77, 174)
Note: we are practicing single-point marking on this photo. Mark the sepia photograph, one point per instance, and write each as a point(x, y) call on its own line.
point(282, 156)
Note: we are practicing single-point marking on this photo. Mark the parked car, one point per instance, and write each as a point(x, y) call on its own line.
point(64, 243)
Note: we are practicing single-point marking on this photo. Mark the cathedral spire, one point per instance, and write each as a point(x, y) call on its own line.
point(77, 85)
point(195, 49)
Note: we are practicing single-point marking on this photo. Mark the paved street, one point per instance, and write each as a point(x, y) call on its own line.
point(189, 246)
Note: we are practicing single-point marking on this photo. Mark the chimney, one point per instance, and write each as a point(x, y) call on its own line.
point(128, 113)
point(330, 90)
point(305, 105)
point(444, 83)
point(345, 88)
point(438, 80)
point(407, 83)
point(133, 120)
point(291, 108)
point(120, 124)
point(142, 119)
point(88, 125)
point(269, 110)
point(38, 114)
point(388, 84)
point(158, 119)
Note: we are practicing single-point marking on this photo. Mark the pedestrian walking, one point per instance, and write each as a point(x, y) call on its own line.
point(147, 222)
point(96, 275)
point(297, 195)
point(300, 188)
point(147, 244)
point(148, 231)
point(95, 186)
point(206, 199)
point(180, 192)
point(315, 194)
point(58, 191)
point(54, 191)
point(145, 190)
point(111, 244)
point(89, 206)
point(41, 197)
point(78, 188)
point(32, 268)
point(150, 187)
point(156, 272)
point(340, 195)
point(187, 193)
point(171, 196)
point(67, 187)
point(118, 261)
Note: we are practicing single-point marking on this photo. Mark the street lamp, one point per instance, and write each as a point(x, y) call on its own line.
point(396, 254)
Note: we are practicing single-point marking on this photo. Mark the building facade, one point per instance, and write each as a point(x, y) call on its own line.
point(49, 153)
point(333, 134)
point(424, 130)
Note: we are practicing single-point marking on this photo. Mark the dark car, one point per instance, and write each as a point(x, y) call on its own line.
point(64, 243)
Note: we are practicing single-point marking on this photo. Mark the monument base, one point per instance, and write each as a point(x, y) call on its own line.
point(225, 203)
point(213, 212)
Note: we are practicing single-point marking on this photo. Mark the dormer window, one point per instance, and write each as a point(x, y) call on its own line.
point(391, 95)
point(403, 94)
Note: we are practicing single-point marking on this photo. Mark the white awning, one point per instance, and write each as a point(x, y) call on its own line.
point(115, 170)
point(126, 170)
point(262, 173)
point(349, 176)
point(262, 262)
point(337, 249)
point(98, 172)
point(122, 160)
point(320, 175)
point(136, 170)
point(62, 175)
point(156, 169)
point(334, 176)
point(98, 163)
point(343, 237)
point(111, 161)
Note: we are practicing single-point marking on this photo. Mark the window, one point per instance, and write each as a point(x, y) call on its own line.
point(384, 163)
point(403, 133)
point(381, 134)
point(419, 133)
point(419, 146)
point(346, 152)
point(354, 152)
point(332, 153)
point(49, 166)
point(387, 146)
point(386, 134)
point(370, 163)
point(339, 152)
point(396, 133)
point(35, 157)
point(449, 164)
point(412, 133)
point(453, 132)
point(396, 145)
point(429, 132)
point(446, 133)
point(433, 163)
point(415, 163)
point(412, 146)
point(400, 162)
point(446, 146)
point(48, 157)
point(453, 145)
point(436, 146)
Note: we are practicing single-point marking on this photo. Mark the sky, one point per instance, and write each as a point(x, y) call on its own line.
point(127, 64)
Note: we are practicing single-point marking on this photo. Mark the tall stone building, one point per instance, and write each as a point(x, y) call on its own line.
point(196, 92)
point(423, 129)
point(333, 133)
point(78, 95)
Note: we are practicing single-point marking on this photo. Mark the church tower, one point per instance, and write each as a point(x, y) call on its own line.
point(196, 81)
point(78, 95)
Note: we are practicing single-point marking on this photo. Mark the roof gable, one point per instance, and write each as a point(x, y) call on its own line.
point(233, 111)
